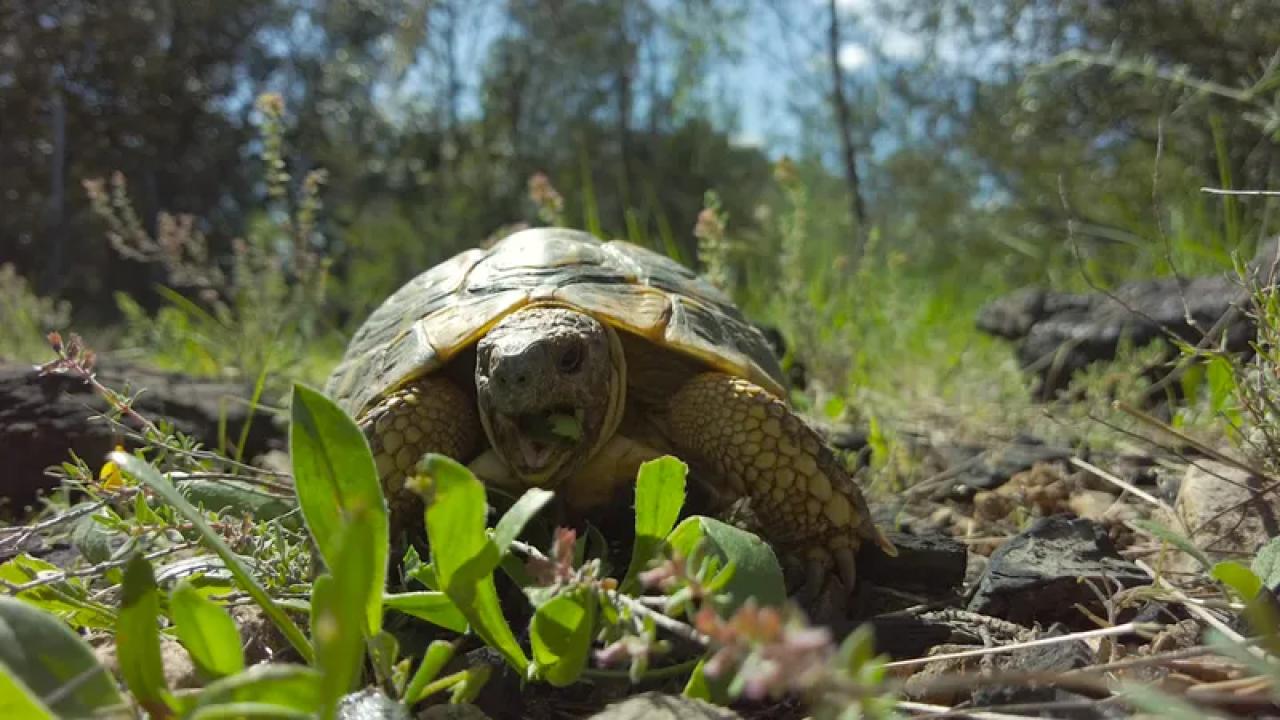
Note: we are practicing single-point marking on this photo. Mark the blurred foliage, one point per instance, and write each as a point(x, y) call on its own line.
point(1001, 144)
point(27, 317)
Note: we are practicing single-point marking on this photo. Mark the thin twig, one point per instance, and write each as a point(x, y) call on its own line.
point(637, 606)
point(1198, 445)
point(97, 569)
point(1247, 193)
point(1127, 628)
point(1123, 484)
point(941, 711)
point(1195, 609)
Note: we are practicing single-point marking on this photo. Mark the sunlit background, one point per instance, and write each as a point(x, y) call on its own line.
point(881, 168)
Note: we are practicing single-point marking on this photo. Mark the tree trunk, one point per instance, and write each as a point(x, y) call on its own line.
point(624, 86)
point(844, 121)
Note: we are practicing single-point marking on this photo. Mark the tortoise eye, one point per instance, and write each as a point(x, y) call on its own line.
point(571, 360)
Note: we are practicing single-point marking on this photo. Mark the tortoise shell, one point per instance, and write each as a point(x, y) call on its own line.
point(447, 309)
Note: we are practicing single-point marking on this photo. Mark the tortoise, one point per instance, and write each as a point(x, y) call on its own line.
point(554, 359)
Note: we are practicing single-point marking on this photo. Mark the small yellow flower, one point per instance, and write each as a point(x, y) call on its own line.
point(110, 477)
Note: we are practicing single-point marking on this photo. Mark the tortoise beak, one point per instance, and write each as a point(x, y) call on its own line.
point(538, 445)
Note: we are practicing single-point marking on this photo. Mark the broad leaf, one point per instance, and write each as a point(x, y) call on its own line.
point(52, 662)
point(756, 573)
point(68, 598)
point(248, 711)
point(462, 553)
point(293, 686)
point(336, 482)
point(207, 631)
point(338, 604)
point(434, 607)
point(700, 686)
point(1237, 577)
point(660, 489)
point(95, 541)
point(239, 498)
point(17, 700)
point(138, 638)
point(518, 515)
point(151, 477)
point(560, 636)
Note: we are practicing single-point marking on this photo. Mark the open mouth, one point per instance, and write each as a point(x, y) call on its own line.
point(542, 439)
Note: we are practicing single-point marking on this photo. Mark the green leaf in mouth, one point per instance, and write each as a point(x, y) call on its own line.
point(566, 426)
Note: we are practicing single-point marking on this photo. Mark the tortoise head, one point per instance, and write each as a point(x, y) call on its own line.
point(551, 385)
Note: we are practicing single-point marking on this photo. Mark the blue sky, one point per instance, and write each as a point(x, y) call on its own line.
point(777, 64)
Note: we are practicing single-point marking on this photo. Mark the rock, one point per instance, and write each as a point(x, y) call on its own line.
point(179, 670)
point(260, 638)
point(45, 418)
point(371, 704)
point(1059, 334)
point(1220, 509)
point(933, 564)
point(902, 637)
point(1035, 577)
point(979, 468)
point(452, 712)
point(1047, 659)
point(660, 706)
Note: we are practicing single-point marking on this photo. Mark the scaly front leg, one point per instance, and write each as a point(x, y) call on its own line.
point(428, 415)
point(807, 504)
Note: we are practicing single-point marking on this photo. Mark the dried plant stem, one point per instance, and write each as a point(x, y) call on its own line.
point(1246, 193)
point(941, 711)
point(1196, 609)
point(1127, 628)
point(98, 569)
point(1118, 482)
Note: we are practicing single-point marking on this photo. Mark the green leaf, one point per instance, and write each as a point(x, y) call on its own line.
point(660, 489)
point(17, 700)
point(463, 554)
point(1266, 565)
point(513, 521)
point(247, 710)
point(337, 481)
point(207, 631)
point(434, 607)
point(148, 475)
point(1184, 544)
point(94, 540)
point(142, 512)
point(1222, 383)
point(292, 686)
point(138, 638)
point(560, 636)
point(703, 687)
point(468, 688)
point(756, 571)
point(240, 498)
point(68, 598)
point(438, 654)
point(383, 650)
point(858, 649)
point(52, 662)
point(338, 616)
point(1237, 577)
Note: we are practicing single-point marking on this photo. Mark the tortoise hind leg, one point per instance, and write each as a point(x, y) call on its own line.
point(806, 503)
point(430, 415)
